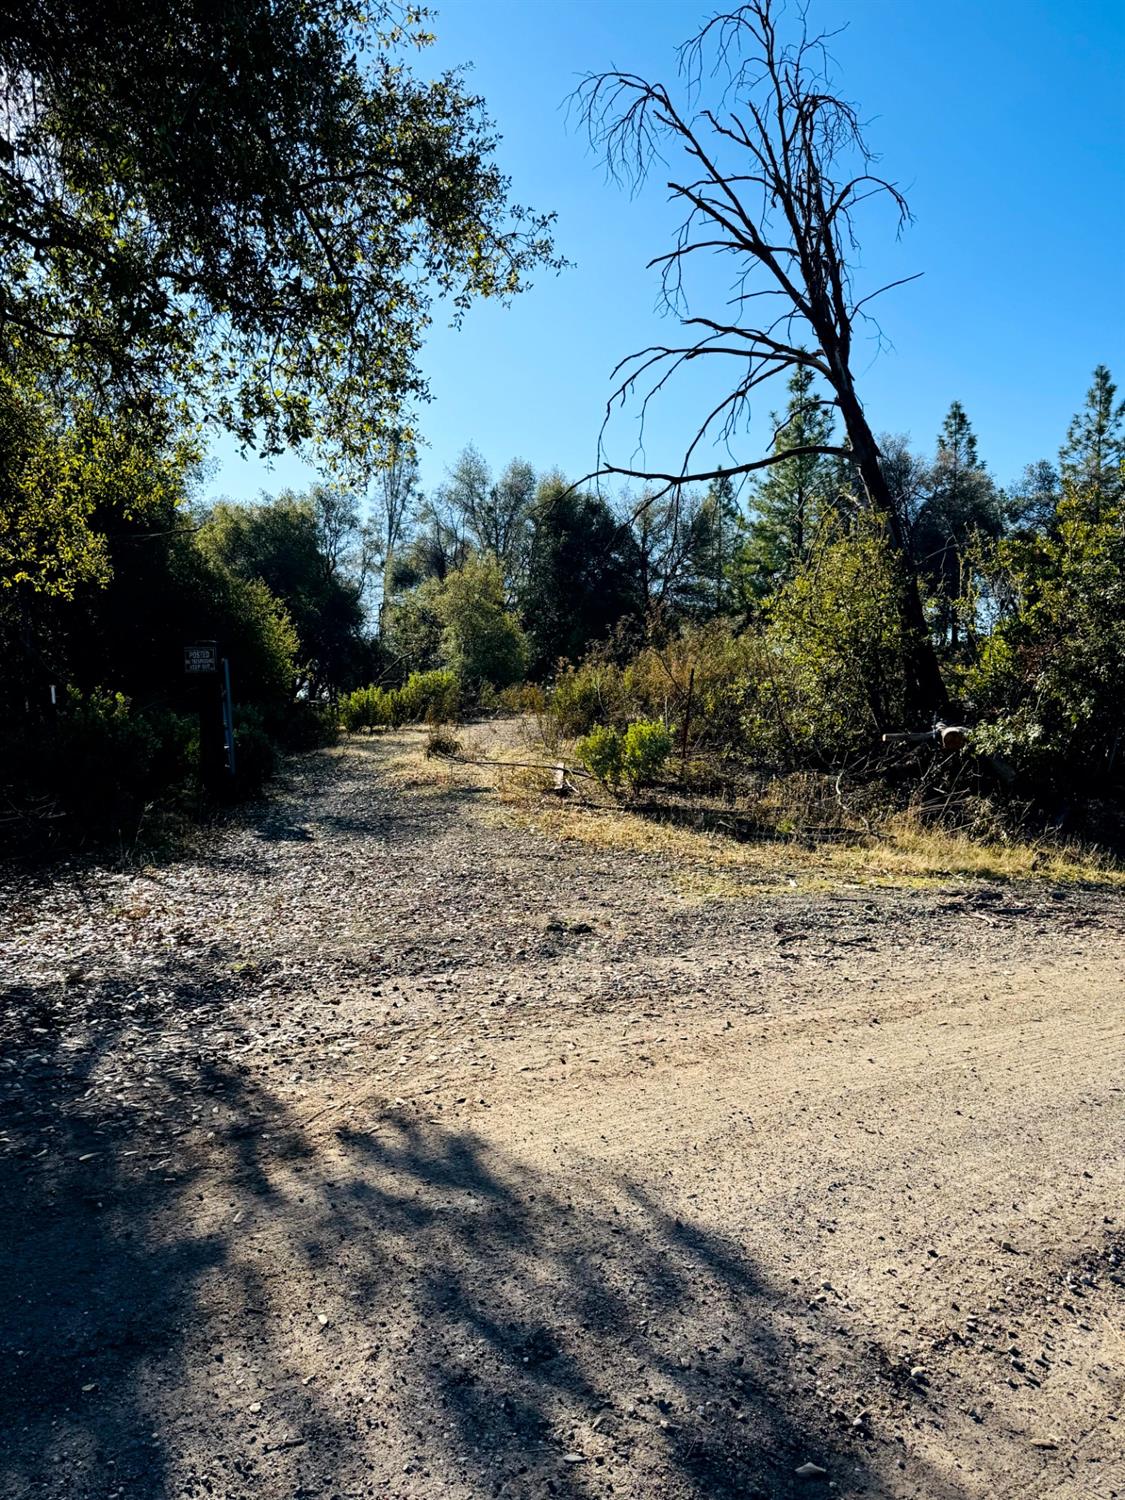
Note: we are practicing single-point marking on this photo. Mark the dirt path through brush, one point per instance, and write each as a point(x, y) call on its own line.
point(384, 1149)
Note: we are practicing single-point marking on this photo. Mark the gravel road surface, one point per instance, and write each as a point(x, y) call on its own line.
point(385, 1149)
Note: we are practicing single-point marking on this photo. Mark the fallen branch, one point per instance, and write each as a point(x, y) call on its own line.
point(555, 767)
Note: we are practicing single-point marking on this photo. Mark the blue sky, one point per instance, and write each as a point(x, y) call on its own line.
point(1003, 121)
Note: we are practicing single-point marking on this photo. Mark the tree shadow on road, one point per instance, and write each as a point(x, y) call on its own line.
point(204, 1295)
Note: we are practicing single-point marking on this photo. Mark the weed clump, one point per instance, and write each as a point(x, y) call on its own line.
point(442, 742)
point(636, 757)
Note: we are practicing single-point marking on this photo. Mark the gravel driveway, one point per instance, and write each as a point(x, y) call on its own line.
point(385, 1149)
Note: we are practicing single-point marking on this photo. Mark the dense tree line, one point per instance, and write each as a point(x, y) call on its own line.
point(574, 563)
point(798, 574)
point(507, 576)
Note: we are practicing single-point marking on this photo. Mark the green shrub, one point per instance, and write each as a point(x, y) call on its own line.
point(593, 693)
point(100, 761)
point(308, 726)
point(432, 696)
point(637, 756)
point(397, 708)
point(350, 711)
point(255, 753)
point(113, 759)
point(602, 752)
point(645, 751)
point(369, 708)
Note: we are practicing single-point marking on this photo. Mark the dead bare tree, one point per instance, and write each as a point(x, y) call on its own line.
point(777, 173)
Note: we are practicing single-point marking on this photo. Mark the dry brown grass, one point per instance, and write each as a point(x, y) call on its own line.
point(905, 851)
point(901, 854)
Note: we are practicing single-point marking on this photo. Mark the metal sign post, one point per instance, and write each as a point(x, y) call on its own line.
point(216, 723)
point(228, 718)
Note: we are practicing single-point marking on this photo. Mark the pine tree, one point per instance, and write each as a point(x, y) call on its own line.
point(962, 502)
point(719, 528)
point(794, 496)
point(1091, 459)
point(957, 445)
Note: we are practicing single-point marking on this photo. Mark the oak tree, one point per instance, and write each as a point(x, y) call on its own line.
point(246, 210)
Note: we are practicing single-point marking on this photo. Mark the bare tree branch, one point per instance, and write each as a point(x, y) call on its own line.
point(732, 471)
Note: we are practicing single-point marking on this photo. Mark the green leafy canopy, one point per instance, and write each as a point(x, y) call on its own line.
point(246, 211)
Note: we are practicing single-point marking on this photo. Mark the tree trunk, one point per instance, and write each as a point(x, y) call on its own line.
point(930, 697)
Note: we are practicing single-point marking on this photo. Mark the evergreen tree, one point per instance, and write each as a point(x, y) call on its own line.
point(719, 532)
point(962, 502)
point(792, 498)
point(1091, 459)
point(957, 448)
point(583, 575)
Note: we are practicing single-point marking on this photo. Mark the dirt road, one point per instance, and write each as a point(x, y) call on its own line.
point(385, 1150)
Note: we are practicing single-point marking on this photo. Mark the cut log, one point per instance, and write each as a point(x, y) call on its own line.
point(948, 736)
point(559, 785)
point(952, 736)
